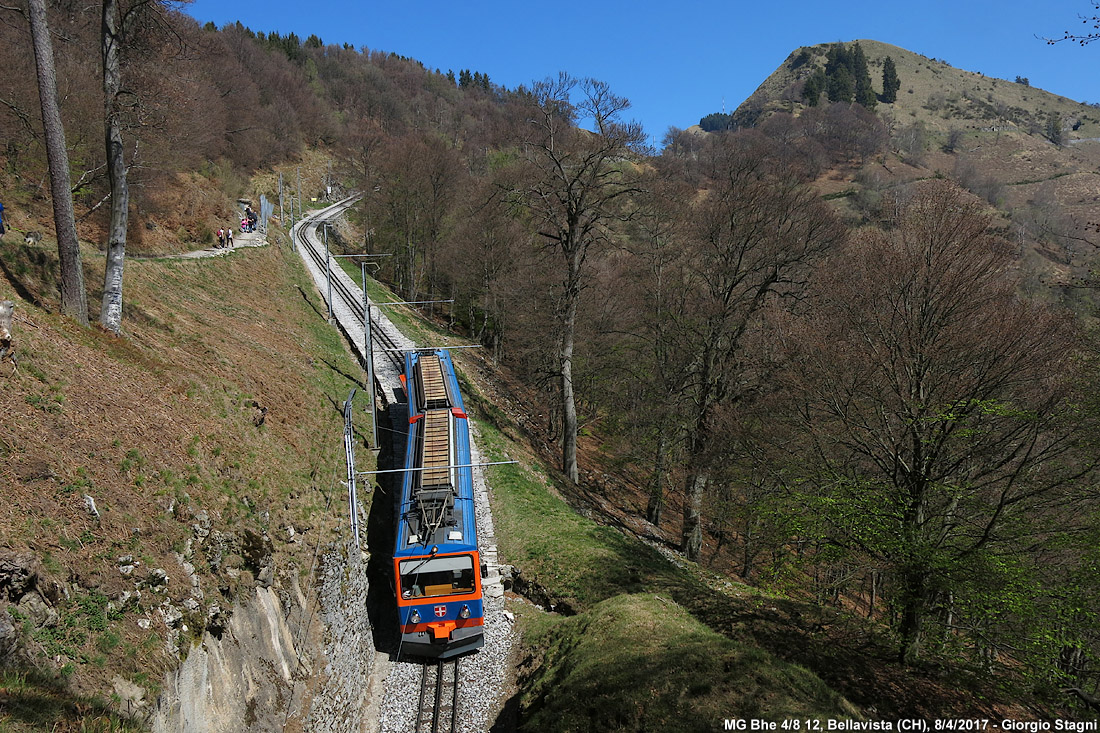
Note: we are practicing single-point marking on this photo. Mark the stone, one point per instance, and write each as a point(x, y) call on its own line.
point(124, 600)
point(18, 574)
point(131, 697)
point(89, 504)
point(266, 576)
point(37, 611)
point(157, 578)
point(9, 636)
point(172, 616)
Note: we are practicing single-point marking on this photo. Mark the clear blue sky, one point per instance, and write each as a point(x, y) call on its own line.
point(678, 61)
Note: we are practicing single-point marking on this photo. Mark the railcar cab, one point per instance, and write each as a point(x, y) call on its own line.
point(436, 563)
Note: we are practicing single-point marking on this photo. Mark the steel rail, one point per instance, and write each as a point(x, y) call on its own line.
point(340, 290)
point(436, 680)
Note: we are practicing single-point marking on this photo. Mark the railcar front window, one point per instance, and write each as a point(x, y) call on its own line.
point(437, 576)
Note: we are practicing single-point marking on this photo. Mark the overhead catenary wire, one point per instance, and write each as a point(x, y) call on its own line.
point(436, 468)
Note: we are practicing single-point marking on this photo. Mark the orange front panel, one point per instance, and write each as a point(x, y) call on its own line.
point(424, 600)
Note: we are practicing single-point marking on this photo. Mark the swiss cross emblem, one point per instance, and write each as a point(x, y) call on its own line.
point(440, 611)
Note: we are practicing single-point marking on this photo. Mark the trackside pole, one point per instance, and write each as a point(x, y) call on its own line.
point(349, 452)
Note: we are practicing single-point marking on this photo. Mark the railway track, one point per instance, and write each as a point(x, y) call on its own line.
point(309, 240)
point(438, 708)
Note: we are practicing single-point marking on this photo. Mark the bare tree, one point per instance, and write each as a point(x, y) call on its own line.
point(938, 403)
point(646, 389)
point(73, 300)
point(1083, 39)
point(576, 185)
point(412, 203)
point(755, 235)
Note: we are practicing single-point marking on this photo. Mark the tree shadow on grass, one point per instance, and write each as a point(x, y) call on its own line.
point(357, 381)
point(27, 260)
point(42, 701)
point(310, 303)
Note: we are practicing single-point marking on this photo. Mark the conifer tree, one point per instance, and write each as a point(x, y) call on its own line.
point(864, 94)
point(841, 86)
point(890, 81)
point(836, 58)
point(814, 86)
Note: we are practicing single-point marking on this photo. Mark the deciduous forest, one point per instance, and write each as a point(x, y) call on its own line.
point(868, 410)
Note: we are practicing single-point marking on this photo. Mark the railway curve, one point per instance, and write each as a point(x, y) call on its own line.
point(479, 686)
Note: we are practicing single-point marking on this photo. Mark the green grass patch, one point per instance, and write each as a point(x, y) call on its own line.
point(642, 662)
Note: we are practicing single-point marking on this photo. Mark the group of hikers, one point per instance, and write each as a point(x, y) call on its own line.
point(248, 224)
point(225, 238)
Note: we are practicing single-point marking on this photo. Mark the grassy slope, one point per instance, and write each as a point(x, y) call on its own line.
point(159, 427)
point(636, 656)
point(641, 662)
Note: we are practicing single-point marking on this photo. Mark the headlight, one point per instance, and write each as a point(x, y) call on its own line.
point(415, 617)
point(465, 612)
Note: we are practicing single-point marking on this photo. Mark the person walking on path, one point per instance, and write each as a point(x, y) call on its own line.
point(221, 238)
point(229, 238)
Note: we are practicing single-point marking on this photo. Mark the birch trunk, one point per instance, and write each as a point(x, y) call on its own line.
point(110, 315)
point(568, 398)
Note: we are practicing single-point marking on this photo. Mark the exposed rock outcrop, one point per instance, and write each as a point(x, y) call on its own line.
point(244, 681)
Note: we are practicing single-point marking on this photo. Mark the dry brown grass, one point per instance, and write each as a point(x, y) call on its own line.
point(159, 426)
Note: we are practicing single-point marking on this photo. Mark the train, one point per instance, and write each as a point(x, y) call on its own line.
point(436, 563)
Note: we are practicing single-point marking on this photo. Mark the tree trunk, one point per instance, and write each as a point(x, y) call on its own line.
point(691, 541)
point(657, 490)
point(914, 606)
point(110, 315)
point(874, 594)
point(73, 300)
point(568, 399)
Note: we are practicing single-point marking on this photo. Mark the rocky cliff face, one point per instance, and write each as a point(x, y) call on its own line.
point(246, 680)
point(282, 662)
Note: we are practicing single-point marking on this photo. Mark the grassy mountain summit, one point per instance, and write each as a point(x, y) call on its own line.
point(1032, 155)
point(932, 91)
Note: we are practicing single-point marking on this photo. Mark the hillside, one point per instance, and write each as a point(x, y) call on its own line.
point(992, 135)
point(725, 546)
point(934, 92)
point(208, 439)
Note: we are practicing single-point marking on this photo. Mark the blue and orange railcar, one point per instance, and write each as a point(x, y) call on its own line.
point(435, 560)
